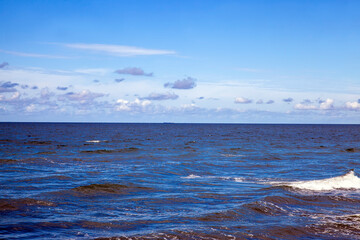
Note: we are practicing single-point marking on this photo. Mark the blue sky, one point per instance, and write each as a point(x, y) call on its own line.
point(180, 61)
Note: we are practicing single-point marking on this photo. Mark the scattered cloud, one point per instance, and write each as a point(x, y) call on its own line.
point(307, 104)
point(355, 106)
point(134, 71)
point(327, 104)
point(118, 50)
point(134, 106)
point(4, 64)
point(119, 80)
point(62, 88)
point(35, 55)
point(161, 96)
point(243, 100)
point(84, 96)
point(186, 83)
point(96, 81)
point(288, 100)
point(270, 102)
point(8, 87)
point(260, 101)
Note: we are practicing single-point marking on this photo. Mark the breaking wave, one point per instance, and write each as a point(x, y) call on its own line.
point(346, 182)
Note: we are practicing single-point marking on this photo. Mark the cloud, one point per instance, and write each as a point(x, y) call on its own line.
point(161, 96)
point(355, 106)
point(307, 104)
point(119, 80)
point(62, 88)
point(134, 71)
point(270, 102)
point(260, 101)
point(243, 100)
point(4, 64)
point(186, 83)
point(22, 54)
point(135, 106)
point(96, 81)
point(288, 100)
point(327, 104)
point(83, 97)
point(119, 50)
point(8, 87)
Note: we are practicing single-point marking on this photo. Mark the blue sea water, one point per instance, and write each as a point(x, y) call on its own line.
point(179, 181)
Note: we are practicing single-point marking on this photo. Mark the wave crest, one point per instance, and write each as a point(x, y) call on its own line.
point(346, 181)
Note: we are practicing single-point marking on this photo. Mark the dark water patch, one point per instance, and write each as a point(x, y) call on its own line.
point(223, 216)
point(46, 179)
point(34, 142)
point(16, 204)
point(109, 188)
point(104, 151)
point(46, 153)
point(3, 161)
point(351, 150)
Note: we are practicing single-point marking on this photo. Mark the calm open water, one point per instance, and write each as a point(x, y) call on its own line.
point(179, 181)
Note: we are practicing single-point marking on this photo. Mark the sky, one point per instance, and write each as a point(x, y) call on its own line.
point(293, 61)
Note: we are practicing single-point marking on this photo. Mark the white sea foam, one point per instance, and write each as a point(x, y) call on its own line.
point(93, 141)
point(192, 176)
point(347, 181)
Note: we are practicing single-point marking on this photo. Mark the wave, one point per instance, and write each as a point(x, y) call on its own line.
point(109, 188)
point(103, 151)
point(347, 181)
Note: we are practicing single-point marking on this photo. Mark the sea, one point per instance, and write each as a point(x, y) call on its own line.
point(179, 181)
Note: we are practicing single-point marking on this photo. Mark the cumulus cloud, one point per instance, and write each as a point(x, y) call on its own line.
point(243, 100)
point(134, 71)
point(62, 88)
point(186, 83)
point(270, 102)
point(119, 80)
point(8, 87)
point(84, 96)
point(260, 101)
point(327, 104)
point(4, 64)
point(129, 106)
point(355, 106)
point(307, 104)
point(161, 96)
point(118, 50)
point(288, 100)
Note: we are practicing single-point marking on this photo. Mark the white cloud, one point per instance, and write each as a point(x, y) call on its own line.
point(243, 100)
point(353, 106)
point(302, 106)
point(135, 106)
point(161, 96)
point(118, 50)
point(83, 97)
point(327, 104)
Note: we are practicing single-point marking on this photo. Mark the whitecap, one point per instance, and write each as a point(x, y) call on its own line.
point(192, 176)
point(347, 181)
point(93, 141)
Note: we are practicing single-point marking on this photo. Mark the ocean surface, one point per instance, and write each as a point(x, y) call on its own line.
point(179, 181)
